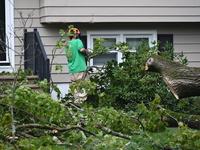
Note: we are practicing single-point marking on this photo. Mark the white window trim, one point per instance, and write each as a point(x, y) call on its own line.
point(9, 30)
point(120, 35)
point(103, 36)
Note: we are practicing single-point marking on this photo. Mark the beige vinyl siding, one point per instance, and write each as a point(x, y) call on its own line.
point(189, 44)
point(26, 4)
point(49, 35)
point(106, 3)
point(22, 10)
point(119, 11)
point(186, 35)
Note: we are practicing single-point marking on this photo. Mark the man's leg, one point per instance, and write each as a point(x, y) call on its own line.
point(80, 95)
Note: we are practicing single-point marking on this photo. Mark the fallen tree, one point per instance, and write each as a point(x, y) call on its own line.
point(182, 80)
point(172, 118)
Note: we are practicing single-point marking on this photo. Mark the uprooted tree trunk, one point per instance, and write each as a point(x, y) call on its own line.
point(182, 80)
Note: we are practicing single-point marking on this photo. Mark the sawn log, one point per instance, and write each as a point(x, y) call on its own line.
point(182, 80)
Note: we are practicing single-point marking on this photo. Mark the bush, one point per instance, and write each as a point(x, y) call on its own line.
point(126, 84)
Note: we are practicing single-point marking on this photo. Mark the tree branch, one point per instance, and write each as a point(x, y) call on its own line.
point(54, 128)
point(68, 144)
point(29, 114)
point(109, 131)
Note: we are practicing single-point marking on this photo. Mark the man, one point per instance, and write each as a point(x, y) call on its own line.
point(75, 53)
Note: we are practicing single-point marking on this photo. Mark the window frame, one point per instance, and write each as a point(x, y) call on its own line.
point(9, 30)
point(120, 35)
point(91, 39)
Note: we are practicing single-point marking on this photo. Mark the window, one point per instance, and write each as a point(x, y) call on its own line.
point(134, 42)
point(113, 55)
point(133, 38)
point(6, 36)
point(2, 31)
point(102, 59)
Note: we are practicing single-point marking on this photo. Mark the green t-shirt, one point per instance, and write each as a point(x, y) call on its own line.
point(76, 60)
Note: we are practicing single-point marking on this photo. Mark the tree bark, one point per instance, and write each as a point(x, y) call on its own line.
point(182, 80)
point(109, 131)
point(172, 118)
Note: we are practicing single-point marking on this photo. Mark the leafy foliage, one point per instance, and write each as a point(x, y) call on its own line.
point(122, 112)
point(144, 125)
point(126, 84)
point(33, 102)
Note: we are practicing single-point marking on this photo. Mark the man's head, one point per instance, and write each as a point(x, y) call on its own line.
point(75, 33)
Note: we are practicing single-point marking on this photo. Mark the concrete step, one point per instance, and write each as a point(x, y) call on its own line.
point(34, 87)
point(10, 79)
point(6, 80)
point(2, 96)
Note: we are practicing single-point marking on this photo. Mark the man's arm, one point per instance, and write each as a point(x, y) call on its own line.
point(83, 50)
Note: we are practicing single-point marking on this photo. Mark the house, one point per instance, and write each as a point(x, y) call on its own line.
point(176, 21)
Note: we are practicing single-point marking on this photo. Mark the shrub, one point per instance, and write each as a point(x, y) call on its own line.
point(126, 84)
